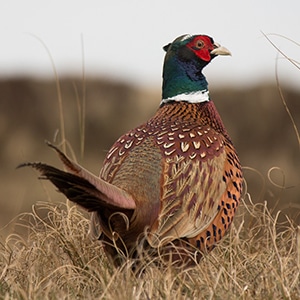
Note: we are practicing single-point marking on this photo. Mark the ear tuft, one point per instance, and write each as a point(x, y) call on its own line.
point(166, 48)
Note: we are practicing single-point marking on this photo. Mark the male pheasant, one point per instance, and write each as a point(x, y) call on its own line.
point(172, 184)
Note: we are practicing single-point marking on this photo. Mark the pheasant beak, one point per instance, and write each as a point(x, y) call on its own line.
point(220, 50)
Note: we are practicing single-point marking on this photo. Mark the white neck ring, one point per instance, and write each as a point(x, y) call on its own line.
point(193, 97)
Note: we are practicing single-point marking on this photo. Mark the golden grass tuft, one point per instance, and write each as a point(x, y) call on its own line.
point(258, 259)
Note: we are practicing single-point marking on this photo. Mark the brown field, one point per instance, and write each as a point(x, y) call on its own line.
point(259, 259)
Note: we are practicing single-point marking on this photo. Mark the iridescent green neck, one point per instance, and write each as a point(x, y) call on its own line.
point(183, 81)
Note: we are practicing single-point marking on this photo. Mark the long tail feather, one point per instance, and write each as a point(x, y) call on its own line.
point(82, 187)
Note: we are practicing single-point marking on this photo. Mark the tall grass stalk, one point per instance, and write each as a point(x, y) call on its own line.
point(59, 95)
point(295, 64)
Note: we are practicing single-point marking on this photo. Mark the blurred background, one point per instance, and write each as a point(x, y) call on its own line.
point(104, 58)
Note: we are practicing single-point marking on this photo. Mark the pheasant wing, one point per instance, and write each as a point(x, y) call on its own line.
point(192, 188)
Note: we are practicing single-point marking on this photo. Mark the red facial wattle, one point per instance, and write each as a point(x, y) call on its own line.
point(202, 46)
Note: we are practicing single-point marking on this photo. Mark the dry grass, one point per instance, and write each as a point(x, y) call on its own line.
point(258, 259)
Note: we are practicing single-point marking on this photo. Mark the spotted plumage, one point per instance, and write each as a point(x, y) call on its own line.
point(173, 184)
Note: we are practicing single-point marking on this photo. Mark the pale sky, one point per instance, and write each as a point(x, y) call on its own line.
point(124, 39)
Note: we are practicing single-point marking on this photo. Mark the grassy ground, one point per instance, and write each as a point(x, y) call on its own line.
point(258, 259)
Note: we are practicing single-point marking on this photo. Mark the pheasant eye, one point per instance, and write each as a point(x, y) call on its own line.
point(199, 44)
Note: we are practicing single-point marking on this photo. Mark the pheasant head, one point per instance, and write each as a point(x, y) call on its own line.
point(186, 56)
